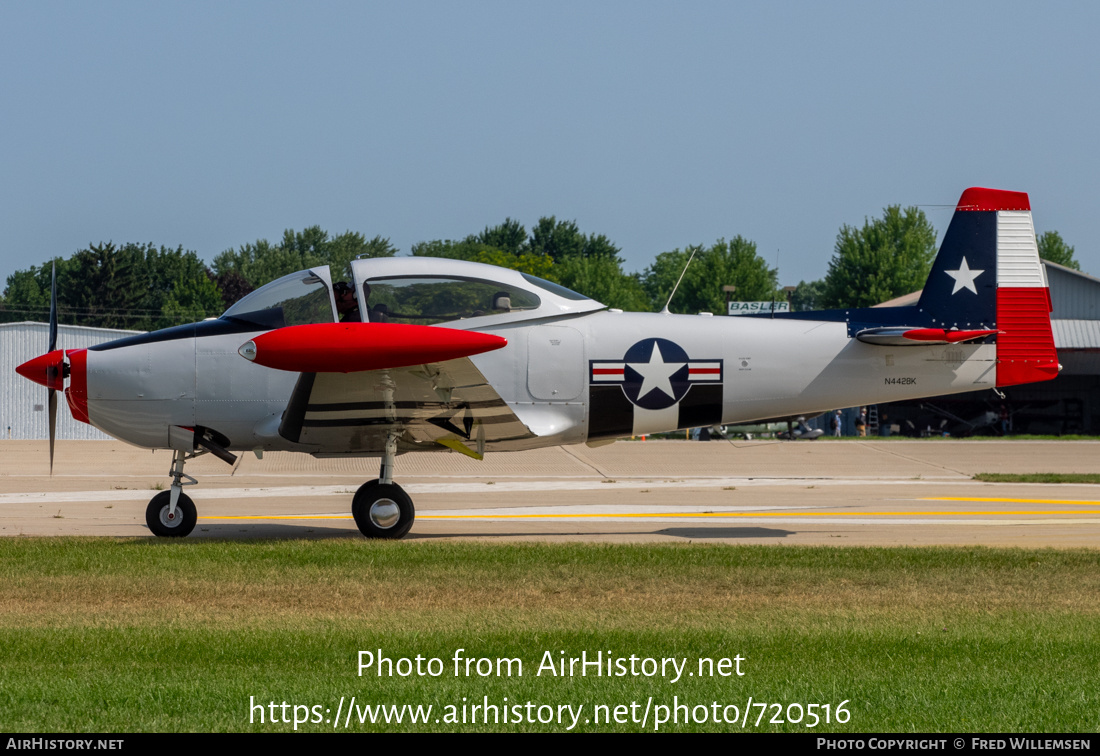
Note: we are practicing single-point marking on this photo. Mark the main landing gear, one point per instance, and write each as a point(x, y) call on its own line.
point(381, 508)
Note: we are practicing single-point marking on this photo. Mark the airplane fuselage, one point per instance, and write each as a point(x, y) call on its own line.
point(571, 379)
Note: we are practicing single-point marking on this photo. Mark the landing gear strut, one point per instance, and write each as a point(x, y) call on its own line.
point(381, 508)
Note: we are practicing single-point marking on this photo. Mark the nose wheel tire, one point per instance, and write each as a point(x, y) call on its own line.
point(382, 510)
point(166, 525)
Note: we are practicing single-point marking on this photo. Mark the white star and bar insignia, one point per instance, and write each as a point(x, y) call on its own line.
point(656, 373)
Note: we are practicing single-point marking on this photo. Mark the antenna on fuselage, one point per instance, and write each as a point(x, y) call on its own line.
point(678, 280)
point(773, 296)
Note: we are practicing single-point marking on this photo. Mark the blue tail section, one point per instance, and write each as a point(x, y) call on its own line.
point(961, 291)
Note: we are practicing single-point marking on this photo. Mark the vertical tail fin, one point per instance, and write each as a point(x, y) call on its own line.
point(988, 275)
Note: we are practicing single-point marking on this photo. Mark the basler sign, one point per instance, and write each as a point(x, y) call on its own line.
point(758, 308)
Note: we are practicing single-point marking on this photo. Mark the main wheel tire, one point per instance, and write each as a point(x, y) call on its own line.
point(176, 526)
point(382, 511)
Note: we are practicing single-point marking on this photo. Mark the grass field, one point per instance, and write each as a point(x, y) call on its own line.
point(143, 635)
point(1091, 478)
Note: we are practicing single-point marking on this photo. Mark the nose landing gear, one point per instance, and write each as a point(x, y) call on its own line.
point(171, 513)
point(169, 522)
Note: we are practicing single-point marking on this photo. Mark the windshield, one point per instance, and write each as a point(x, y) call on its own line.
point(426, 300)
point(558, 289)
point(296, 299)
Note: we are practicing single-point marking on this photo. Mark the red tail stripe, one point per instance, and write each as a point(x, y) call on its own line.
point(1025, 346)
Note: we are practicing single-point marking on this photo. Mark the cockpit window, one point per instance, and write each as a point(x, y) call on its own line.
point(296, 299)
point(550, 286)
point(425, 300)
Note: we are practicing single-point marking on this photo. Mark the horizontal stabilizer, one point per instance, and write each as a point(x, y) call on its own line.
point(909, 336)
point(354, 347)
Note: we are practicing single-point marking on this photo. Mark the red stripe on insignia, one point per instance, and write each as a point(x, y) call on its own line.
point(607, 371)
point(707, 371)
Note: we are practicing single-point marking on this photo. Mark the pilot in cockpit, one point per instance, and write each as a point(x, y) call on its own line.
point(346, 306)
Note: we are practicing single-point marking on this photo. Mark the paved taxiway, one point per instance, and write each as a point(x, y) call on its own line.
point(874, 492)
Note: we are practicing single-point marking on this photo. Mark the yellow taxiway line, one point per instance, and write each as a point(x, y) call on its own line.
point(755, 513)
point(1079, 502)
point(666, 515)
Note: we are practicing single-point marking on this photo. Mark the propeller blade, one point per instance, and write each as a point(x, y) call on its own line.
point(53, 310)
point(53, 424)
point(54, 372)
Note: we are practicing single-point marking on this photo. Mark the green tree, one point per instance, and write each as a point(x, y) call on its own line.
point(164, 274)
point(262, 262)
point(25, 297)
point(233, 287)
point(808, 295)
point(735, 262)
point(557, 239)
point(103, 286)
point(537, 265)
point(598, 276)
point(556, 251)
point(888, 257)
point(1054, 249)
point(476, 251)
point(313, 245)
point(600, 247)
point(562, 239)
point(602, 279)
point(190, 300)
point(510, 236)
point(467, 249)
point(110, 286)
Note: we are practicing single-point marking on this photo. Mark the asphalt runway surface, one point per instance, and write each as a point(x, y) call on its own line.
point(850, 492)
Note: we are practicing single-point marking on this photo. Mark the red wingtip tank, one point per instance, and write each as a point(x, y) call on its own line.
point(353, 347)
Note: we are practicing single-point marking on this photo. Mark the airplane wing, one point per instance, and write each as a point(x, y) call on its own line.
point(438, 404)
point(359, 383)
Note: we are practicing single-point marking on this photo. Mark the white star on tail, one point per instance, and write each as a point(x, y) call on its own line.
point(656, 373)
point(964, 277)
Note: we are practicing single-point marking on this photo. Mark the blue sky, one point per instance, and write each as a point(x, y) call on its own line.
point(210, 125)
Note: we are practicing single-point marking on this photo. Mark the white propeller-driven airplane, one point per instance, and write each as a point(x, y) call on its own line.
point(459, 356)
